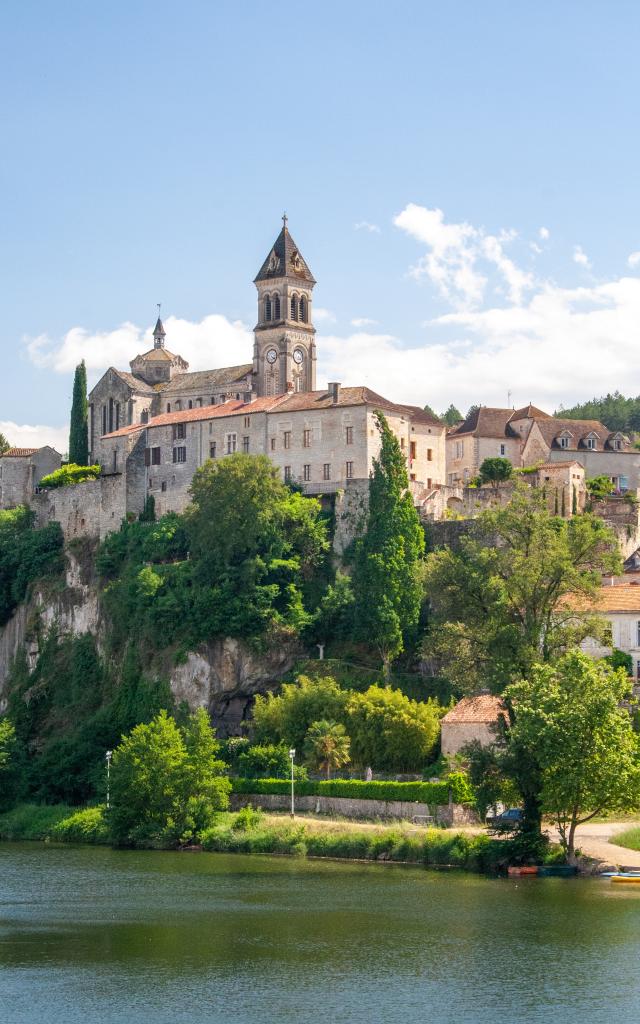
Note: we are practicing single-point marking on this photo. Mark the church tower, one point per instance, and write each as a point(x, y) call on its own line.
point(284, 350)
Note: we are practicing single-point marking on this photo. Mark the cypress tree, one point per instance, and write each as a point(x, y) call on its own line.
point(79, 428)
point(386, 578)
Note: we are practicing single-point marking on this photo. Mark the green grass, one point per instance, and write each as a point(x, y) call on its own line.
point(57, 823)
point(630, 838)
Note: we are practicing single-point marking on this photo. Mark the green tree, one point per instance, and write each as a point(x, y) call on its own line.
point(430, 412)
point(495, 471)
point(7, 752)
point(26, 555)
point(327, 745)
point(255, 546)
point(499, 603)
point(268, 761)
point(166, 785)
point(567, 718)
point(599, 487)
point(79, 426)
point(452, 416)
point(391, 732)
point(387, 580)
point(286, 717)
point(4, 444)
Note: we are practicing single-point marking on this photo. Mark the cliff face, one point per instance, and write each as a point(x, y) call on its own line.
point(222, 676)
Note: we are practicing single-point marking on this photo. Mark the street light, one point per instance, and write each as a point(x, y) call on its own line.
point(292, 754)
point(108, 757)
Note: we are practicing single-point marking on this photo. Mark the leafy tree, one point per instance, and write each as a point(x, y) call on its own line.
point(387, 582)
point(4, 444)
point(614, 410)
point(495, 471)
point(270, 761)
point(499, 602)
point(79, 426)
point(391, 732)
point(599, 487)
point(471, 410)
point(327, 746)
point(7, 751)
point(430, 412)
point(568, 719)
point(452, 416)
point(148, 514)
point(166, 785)
point(286, 717)
point(26, 555)
point(255, 545)
point(620, 659)
point(487, 776)
point(333, 618)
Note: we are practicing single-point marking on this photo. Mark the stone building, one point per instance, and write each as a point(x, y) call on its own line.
point(473, 719)
point(21, 470)
point(284, 356)
point(618, 604)
point(530, 437)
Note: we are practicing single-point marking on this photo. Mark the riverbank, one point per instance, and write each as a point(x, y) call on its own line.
point(252, 832)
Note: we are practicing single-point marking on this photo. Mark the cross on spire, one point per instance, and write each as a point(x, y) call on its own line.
point(285, 218)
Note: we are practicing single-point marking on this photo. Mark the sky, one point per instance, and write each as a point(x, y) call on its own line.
point(461, 177)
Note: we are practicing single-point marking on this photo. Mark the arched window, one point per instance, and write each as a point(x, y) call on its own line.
point(267, 307)
point(190, 404)
point(303, 309)
point(294, 307)
point(276, 307)
point(168, 406)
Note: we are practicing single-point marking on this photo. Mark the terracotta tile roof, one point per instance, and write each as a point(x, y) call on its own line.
point(530, 412)
point(123, 431)
point(619, 598)
point(564, 464)
point(311, 400)
point(484, 708)
point(19, 453)
point(487, 422)
point(205, 412)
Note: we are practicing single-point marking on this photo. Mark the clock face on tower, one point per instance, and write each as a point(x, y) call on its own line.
point(298, 356)
point(272, 355)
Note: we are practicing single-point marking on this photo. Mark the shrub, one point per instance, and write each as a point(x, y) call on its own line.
point(247, 819)
point(268, 762)
point(436, 793)
point(390, 731)
point(84, 826)
point(25, 556)
point(32, 821)
point(69, 475)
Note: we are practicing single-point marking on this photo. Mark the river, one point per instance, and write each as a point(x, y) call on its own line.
point(95, 935)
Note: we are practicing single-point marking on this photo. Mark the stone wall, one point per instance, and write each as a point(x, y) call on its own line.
point(400, 810)
point(92, 509)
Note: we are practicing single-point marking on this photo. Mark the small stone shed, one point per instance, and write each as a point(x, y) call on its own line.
point(473, 718)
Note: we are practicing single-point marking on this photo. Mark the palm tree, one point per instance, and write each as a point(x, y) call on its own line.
point(327, 746)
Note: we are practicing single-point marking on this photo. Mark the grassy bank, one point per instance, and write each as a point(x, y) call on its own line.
point(250, 831)
point(630, 839)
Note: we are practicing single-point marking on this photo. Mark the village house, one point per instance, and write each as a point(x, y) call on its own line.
point(472, 720)
point(21, 470)
point(618, 604)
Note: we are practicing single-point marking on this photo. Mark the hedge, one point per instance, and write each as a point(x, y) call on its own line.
point(69, 475)
point(436, 793)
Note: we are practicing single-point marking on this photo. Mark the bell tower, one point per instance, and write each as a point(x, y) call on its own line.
point(284, 349)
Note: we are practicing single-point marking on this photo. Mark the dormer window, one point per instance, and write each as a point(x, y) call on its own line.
point(564, 442)
point(591, 443)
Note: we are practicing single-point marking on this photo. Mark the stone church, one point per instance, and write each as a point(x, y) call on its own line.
point(284, 356)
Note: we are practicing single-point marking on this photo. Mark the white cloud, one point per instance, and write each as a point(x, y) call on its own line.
point(580, 257)
point(633, 259)
point(363, 321)
point(214, 341)
point(321, 315)
point(23, 435)
point(459, 257)
point(544, 234)
point(365, 225)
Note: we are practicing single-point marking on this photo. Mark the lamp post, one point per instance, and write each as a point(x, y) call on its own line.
point(108, 758)
point(292, 754)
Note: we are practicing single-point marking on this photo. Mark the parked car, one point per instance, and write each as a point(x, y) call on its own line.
point(510, 818)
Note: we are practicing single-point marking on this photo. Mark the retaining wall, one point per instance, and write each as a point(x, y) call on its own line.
point(448, 814)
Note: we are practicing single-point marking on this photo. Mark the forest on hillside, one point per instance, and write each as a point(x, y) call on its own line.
point(614, 410)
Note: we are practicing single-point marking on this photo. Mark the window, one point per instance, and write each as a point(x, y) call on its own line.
point(247, 421)
point(157, 370)
point(168, 406)
point(402, 443)
point(306, 472)
point(276, 307)
point(591, 443)
point(502, 449)
point(198, 403)
point(459, 449)
point(178, 405)
point(287, 438)
point(294, 307)
point(267, 307)
point(306, 438)
point(638, 635)
point(303, 309)
point(273, 444)
point(179, 454)
point(179, 431)
point(245, 445)
point(287, 474)
point(190, 404)
point(231, 443)
point(412, 450)
point(564, 442)
point(349, 435)
point(115, 460)
point(104, 419)
point(429, 454)
point(155, 456)
point(326, 471)
point(213, 447)
point(163, 485)
point(617, 444)
point(349, 470)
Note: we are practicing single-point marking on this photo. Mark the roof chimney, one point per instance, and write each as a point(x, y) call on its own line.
point(334, 391)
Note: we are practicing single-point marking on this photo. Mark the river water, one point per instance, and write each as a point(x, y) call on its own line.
point(95, 935)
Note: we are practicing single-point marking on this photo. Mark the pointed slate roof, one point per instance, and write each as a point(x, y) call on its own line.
point(284, 260)
point(159, 328)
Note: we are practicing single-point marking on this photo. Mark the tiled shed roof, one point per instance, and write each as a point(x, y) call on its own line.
point(19, 453)
point(484, 708)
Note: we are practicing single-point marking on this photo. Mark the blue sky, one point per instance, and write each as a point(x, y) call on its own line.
point(462, 179)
